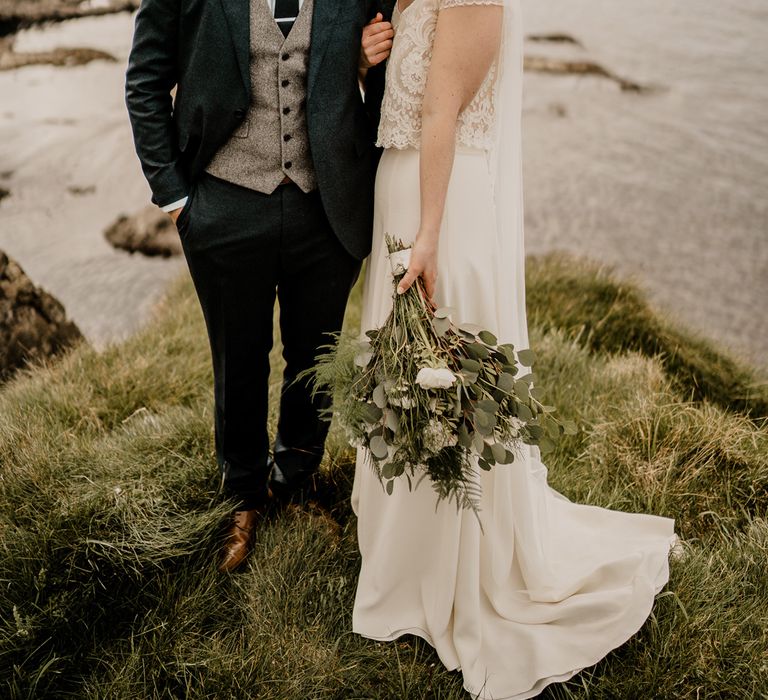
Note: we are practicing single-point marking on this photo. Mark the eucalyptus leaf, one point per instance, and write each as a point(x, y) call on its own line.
point(521, 389)
point(535, 431)
point(487, 337)
point(371, 413)
point(469, 377)
point(469, 364)
point(390, 418)
point(443, 312)
point(390, 486)
point(478, 442)
point(379, 447)
point(485, 429)
point(388, 470)
point(526, 357)
point(464, 438)
point(488, 406)
point(509, 351)
point(524, 413)
point(471, 328)
point(380, 396)
point(546, 445)
point(499, 452)
point(441, 326)
point(506, 382)
point(478, 351)
point(484, 465)
point(552, 428)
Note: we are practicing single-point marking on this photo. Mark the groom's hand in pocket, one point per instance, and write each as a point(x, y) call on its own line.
point(376, 43)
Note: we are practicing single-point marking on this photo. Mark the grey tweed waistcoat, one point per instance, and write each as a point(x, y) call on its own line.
point(272, 140)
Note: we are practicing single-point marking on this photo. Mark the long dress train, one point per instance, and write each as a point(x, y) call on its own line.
point(548, 587)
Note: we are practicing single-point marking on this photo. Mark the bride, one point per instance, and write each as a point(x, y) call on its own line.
point(547, 587)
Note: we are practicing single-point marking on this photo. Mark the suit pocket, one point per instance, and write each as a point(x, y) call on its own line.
point(182, 221)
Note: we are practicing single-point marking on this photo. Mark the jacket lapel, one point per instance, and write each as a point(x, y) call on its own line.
point(239, 21)
point(323, 19)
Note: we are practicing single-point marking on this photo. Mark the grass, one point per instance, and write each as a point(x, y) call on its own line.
point(110, 518)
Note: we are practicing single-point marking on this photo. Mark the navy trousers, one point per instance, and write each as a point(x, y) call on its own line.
point(244, 250)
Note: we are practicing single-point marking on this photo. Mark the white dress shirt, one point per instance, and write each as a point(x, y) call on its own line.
point(181, 202)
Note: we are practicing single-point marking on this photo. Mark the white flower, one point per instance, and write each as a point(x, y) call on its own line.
point(435, 378)
point(437, 436)
point(515, 424)
point(398, 395)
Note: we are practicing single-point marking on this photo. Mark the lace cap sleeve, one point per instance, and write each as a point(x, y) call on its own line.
point(442, 4)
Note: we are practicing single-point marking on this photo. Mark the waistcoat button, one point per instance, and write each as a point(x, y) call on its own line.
point(286, 110)
point(288, 164)
point(285, 83)
point(285, 56)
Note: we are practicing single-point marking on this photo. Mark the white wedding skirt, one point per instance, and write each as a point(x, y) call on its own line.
point(549, 586)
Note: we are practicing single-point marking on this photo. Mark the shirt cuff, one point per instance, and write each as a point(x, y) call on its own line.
point(175, 205)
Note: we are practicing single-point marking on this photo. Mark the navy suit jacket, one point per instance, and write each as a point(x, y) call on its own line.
point(203, 48)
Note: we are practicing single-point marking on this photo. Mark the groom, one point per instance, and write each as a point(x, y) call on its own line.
point(265, 159)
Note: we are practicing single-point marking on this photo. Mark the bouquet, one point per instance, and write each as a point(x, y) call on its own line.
point(428, 398)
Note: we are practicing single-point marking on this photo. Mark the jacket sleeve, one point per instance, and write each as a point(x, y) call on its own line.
point(151, 75)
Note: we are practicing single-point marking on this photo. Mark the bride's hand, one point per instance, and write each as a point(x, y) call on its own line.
point(423, 263)
point(376, 43)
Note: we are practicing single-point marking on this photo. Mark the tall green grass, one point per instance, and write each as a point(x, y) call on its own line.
point(110, 521)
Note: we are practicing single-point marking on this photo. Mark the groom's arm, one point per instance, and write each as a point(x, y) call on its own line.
point(152, 73)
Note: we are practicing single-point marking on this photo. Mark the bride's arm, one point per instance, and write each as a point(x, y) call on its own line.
point(467, 40)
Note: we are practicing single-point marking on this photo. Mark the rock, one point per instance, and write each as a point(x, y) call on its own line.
point(33, 324)
point(556, 66)
point(4, 193)
point(555, 38)
point(77, 56)
point(149, 231)
point(19, 14)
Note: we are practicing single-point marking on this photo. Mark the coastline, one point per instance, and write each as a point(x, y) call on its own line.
point(68, 165)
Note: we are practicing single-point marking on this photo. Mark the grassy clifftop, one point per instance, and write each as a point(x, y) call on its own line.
point(109, 519)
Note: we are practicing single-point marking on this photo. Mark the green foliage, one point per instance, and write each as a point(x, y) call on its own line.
point(110, 518)
point(609, 315)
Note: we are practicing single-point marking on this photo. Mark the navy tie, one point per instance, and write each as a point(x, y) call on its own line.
point(286, 12)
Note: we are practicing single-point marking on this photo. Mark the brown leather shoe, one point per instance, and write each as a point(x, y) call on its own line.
point(239, 539)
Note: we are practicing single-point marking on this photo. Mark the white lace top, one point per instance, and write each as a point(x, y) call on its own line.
point(406, 78)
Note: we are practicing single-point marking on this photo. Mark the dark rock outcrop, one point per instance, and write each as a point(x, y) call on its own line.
point(149, 231)
point(557, 66)
point(33, 324)
point(76, 56)
point(19, 14)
